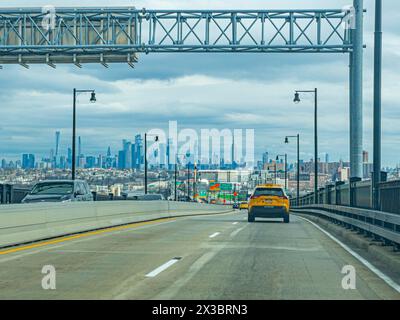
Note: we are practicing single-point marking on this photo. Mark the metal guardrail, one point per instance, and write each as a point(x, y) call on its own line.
point(11, 194)
point(357, 194)
point(379, 225)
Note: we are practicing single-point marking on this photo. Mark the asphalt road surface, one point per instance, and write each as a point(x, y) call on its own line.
point(207, 257)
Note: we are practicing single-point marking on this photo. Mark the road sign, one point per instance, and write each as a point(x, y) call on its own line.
point(226, 187)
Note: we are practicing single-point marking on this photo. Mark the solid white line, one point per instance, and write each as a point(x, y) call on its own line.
point(215, 234)
point(375, 270)
point(160, 269)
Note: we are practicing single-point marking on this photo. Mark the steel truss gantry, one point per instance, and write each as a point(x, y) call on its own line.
point(106, 35)
point(117, 34)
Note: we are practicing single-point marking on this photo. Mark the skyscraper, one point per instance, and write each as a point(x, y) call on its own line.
point(28, 161)
point(79, 146)
point(69, 158)
point(126, 146)
point(109, 159)
point(121, 159)
point(55, 160)
point(137, 155)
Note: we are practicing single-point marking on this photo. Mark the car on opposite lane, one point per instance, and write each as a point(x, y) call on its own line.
point(59, 191)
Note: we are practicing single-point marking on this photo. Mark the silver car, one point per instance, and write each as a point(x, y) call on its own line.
point(59, 191)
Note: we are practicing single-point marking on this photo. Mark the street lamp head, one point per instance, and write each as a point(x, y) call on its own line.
point(296, 98)
point(93, 97)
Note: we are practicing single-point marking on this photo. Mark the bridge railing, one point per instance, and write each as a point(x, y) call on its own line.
point(380, 226)
point(357, 194)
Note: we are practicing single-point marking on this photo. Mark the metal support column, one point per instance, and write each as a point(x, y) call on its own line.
point(356, 107)
point(176, 178)
point(377, 104)
point(145, 163)
point(316, 146)
point(73, 160)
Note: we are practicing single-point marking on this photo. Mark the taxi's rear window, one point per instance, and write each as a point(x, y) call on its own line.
point(269, 192)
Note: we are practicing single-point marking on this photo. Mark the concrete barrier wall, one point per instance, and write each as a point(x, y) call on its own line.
point(23, 223)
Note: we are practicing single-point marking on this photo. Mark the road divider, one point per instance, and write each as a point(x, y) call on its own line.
point(25, 223)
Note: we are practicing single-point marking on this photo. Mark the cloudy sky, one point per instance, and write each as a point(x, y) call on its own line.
point(202, 91)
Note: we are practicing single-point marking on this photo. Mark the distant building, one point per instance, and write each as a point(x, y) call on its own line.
point(344, 173)
point(90, 162)
point(28, 161)
point(121, 160)
point(365, 156)
point(137, 153)
point(265, 158)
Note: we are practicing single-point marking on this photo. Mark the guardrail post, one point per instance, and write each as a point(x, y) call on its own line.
point(10, 190)
point(338, 192)
point(353, 191)
point(320, 197)
point(2, 194)
point(328, 192)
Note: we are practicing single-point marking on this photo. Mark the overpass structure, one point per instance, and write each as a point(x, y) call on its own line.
point(106, 35)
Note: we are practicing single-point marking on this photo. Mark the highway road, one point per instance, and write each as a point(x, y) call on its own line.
point(203, 257)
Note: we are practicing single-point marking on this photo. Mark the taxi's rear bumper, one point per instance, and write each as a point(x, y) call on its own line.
point(268, 211)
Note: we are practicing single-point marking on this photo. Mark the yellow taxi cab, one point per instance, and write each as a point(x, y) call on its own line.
point(243, 206)
point(269, 201)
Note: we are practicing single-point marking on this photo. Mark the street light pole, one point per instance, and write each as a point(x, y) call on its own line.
point(297, 100)
point(188, 180)
point(145, 160)
point(298, 162)
point(92, 99)
point(176, 178)
point(377, 104)
point(194, 182)
point(277, 158)
point(159, 182)
point(73, 160)
point(145, 163)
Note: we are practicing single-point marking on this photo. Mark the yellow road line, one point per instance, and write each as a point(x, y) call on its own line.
point(83, 235)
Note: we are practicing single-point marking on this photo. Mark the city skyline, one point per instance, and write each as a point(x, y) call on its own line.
point(64, 150)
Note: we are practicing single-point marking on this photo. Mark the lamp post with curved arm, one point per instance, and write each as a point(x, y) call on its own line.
point(145, 158)
point(285, 156)
point(298, 161)
point(93, 100)
point(297, 100)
